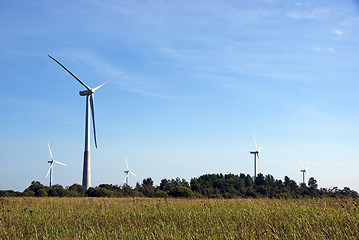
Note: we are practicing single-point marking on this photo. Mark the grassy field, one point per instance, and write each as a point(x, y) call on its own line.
point(143, 218)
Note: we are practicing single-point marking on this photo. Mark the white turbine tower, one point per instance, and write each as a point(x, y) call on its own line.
point(127, 172)
point(303, 170)
point(52, 165)
point(256, 155)
point(89, 93)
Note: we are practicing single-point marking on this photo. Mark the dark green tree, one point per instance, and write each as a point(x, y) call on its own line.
point(35, 185)
point(147, 188)
point(259, 180)
point(165, 185)
point(312, 183)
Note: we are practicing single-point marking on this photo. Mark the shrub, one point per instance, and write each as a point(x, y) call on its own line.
point(161, 194)
point(41, 193)
point(28, 193)
point(99, 192)
point(181, 192)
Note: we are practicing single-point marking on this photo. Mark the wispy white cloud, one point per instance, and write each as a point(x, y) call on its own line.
point(308, 14)
point(197, 45)
point(338, 32)
point(320, 49)
point(94, 62)
point(133, 81)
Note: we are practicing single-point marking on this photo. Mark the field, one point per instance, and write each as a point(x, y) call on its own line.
point(143, 218)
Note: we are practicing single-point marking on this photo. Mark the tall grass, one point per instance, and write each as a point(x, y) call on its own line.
point(142, 218)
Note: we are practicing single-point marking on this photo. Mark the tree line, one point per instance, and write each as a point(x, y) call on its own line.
point(206, 186)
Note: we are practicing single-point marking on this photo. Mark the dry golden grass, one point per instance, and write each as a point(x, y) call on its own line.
point(143, 218)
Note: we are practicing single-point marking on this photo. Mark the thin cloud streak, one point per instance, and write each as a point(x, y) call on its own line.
point(338, 32)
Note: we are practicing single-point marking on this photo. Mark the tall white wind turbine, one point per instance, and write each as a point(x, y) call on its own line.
point(52, 165)
point(256, 156)
point(304, 171)
point(127, 171)
point(89, 93)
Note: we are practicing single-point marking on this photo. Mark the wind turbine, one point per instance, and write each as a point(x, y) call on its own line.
point(304, 170)
point(256, 155)
point(52, 165)
point(127, 172)
point(89, 93)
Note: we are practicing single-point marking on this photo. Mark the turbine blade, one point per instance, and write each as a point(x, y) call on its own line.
point(132, 173)
point(127, 164)
point(301, 164)
point(87, 87)
point(255, 142)
point(48, 144)
point(307, 168)
point(93, 117)
point(259, 149)
point(96, 88)
point(49, 169)
point(60, 163)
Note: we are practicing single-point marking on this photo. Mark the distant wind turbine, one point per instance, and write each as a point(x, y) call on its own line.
point(256, 155)
point(90, 106)
point(52, 165)
point(303, 170)
point(127, 172)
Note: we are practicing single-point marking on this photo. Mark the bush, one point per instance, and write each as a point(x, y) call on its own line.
point(41, 193)
point(99, 192)
point(161, 194)
point(4, 194)
point(78, 189)
point(28, 193)
point(181, 192)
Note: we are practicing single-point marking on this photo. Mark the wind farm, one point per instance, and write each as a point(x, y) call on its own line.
point(223, 101)
point(194, 100)
point(86, 177)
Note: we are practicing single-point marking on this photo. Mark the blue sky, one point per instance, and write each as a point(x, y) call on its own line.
point(204, 77)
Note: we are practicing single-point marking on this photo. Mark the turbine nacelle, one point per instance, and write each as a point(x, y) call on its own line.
point(85, 92)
